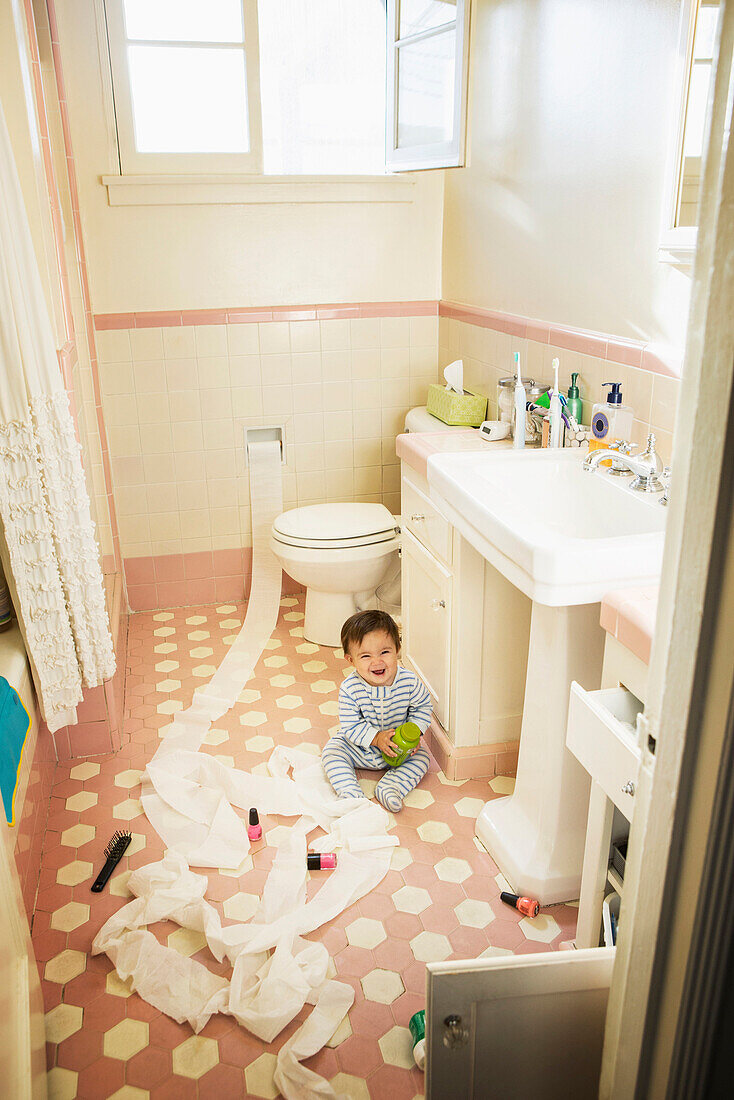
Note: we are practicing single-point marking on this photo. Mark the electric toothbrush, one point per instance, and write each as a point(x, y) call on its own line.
point(520, 405)
point(555, 410)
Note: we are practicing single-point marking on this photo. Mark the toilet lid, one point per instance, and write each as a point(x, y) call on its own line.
point(335, 525)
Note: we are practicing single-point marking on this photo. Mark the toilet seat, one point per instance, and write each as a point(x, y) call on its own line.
point(335, 526)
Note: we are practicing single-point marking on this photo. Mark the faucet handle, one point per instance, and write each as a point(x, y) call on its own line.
point(626, 447)
point(665, 478)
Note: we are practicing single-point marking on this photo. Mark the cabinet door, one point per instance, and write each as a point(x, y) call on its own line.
point(427, 622)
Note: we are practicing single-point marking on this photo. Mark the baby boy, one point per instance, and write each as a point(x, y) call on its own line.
point(374, 699)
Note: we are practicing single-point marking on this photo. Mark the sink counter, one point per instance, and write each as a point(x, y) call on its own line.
point(415, 448)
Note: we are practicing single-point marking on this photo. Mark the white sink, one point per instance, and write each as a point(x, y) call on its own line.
point(562, 535)
point(565, 537)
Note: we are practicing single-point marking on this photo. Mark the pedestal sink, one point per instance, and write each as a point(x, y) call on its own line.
point(564, 537)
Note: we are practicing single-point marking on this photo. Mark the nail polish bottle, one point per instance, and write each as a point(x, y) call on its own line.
point(321, 861)
point(254, 829)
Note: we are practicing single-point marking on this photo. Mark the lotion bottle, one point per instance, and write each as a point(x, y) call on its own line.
point(610, 420)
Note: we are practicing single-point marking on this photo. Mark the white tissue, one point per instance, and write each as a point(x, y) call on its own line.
point(454, 375)
point(191, 800)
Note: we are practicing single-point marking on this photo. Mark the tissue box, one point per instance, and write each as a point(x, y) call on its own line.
point(467, 409)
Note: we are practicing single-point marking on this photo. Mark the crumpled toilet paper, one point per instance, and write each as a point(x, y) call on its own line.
point(191, 800)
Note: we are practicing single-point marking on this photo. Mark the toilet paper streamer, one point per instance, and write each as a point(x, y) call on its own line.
point(191, 800)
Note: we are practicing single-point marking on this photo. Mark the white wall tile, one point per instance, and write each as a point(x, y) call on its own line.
point(216, 404)
point(146, 343)
point(277, 400)
point(306, 366)
point(274, 337)
point(243, 339)
point(155, 439)
point(179, 343)
point(335, 335)
point(184, 405)
point(366, 395)
point(153, 408)
point(116, 378)
point(190, 466)
point(217, 434)
point(365, 332)
point(150, 376)
point(244, 370)
point(366, 363)
point(211, 340)
point(395, 332)
point(113, 346)
point(423, 330)
point(276, 370)
point(187, 436)
point(305, 336)
point(213, 372)
point(192, 494)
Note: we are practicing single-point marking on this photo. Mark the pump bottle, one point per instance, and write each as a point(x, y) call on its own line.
point(610, 420)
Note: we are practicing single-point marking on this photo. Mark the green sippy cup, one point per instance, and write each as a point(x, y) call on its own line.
point(405, 739)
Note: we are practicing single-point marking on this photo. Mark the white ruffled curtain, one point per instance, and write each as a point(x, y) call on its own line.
point(51, 556)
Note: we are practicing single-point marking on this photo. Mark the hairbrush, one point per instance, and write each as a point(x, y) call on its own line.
point(114, 852)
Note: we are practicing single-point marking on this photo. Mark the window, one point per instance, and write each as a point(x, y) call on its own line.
point(428, 45)
point(286, 87)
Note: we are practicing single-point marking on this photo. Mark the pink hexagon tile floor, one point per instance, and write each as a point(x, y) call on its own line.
point(440, 899)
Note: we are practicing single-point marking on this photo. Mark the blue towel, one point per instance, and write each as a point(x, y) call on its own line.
point(15, 721)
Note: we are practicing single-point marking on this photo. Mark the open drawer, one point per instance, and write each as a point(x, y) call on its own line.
point(602, 735)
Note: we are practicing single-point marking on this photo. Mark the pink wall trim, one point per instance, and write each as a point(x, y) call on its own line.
point(183, 580)
point(478, 761)
point(172, 319)
point(629, 615)
point(633, 353)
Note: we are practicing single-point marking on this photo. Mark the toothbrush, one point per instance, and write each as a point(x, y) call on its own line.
point(520, 406)
point(555, 410)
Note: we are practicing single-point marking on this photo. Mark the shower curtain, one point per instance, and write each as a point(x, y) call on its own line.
point(48, 538)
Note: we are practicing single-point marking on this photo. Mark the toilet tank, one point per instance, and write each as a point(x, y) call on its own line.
point(420, 420)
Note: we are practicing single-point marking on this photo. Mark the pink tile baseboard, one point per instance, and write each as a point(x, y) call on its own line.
point(652, 357)
point(471, 762)
point(175, 318)
point(181, 580)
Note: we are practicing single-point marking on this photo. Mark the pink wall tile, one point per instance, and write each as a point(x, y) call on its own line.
point(158, 319)
point(587, 343)
point(336, 313)
point(204, 316)
point(198, 566)
point(228, 563)
point(201, 591)
point(139, 571)
point(174, 593)
point(105, 321)
point(286, 313)
point(628, 352)
point(229, 589)
point(142, 597)
point(89, 739)
point(242, 316)
point(93, 707)
point(169, 567)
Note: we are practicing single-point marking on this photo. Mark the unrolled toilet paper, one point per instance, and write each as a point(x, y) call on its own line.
point(192, 801)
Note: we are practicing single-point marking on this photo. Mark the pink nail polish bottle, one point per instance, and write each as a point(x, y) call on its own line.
point(254, 829)
point(321, 861)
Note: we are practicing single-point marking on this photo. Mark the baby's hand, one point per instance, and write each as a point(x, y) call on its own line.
point(384, 742)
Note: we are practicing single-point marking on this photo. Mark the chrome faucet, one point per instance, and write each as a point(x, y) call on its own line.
point(646, 467)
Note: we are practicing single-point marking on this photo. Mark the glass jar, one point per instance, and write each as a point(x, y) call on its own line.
point(506, 406)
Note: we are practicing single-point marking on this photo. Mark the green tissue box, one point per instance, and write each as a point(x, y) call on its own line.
point(467, 409)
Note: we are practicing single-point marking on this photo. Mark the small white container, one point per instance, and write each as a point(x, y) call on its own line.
point(610, 907)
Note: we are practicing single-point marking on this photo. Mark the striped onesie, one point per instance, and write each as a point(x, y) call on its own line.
point(364, 710)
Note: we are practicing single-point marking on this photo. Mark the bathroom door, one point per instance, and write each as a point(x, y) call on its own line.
point(517, 1025)
point(22, 1034)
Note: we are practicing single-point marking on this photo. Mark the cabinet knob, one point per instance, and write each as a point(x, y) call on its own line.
point(438, 604)
point(417, 518)
point(628, 788)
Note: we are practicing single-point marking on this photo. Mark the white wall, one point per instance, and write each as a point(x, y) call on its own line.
point(198, 257)
point(558, 214)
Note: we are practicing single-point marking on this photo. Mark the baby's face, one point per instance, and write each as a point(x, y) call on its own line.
point(375, 658)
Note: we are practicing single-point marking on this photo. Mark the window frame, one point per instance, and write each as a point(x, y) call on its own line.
point(132, 161)
point(451, 154)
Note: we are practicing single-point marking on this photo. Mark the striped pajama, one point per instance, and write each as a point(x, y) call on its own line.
point(364, 710)
point(340, 757)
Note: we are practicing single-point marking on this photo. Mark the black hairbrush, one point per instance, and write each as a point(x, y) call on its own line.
point(114, 851)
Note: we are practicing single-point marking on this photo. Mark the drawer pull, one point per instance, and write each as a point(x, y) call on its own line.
point(628, 788)
point(417, 518)
point(438, 604)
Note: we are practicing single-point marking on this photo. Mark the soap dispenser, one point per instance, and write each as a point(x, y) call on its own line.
point(573, 402)
point(610, 420)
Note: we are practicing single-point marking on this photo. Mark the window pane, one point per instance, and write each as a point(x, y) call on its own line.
point(426, 91)
point(419, 15)
point(188, 100)
point(184, 20)
point(705, 38)
point(322, 86)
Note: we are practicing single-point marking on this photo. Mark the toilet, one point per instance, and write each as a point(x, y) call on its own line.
point(341, 552)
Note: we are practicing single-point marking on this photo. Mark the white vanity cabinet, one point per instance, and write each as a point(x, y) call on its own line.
point(463, 628)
